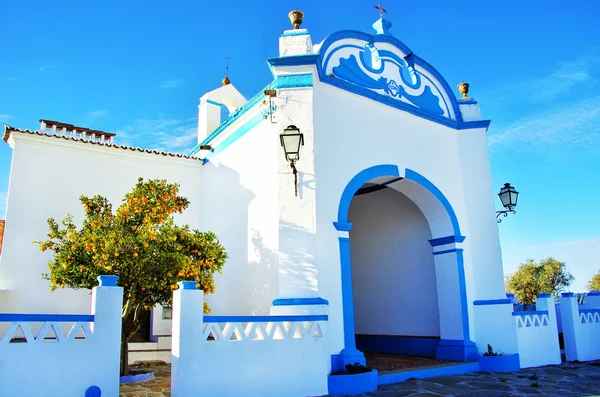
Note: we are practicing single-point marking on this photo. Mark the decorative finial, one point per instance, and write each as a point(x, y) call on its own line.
point(226, 79)
point(381, 9)
point(296, 18)
point(464, 89)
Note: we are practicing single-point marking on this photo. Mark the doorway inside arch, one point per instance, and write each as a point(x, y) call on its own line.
point(394, 284)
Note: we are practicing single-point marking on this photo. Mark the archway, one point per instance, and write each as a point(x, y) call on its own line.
point(424, 199)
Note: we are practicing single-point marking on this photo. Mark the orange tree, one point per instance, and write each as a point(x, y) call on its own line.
point(140, 243)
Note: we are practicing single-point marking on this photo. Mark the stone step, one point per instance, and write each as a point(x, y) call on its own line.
point(149, 355)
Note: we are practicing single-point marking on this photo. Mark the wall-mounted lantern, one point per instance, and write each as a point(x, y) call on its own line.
point(508, 196)
point(291, 141)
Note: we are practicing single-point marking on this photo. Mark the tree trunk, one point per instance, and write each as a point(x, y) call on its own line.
point(124, 354)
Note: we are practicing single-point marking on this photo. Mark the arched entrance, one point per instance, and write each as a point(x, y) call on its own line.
point(430, 210)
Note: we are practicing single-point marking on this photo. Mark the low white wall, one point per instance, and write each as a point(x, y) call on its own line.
point(393, 273)
point(64, 367)
point(581, 327)
point(244, 361)
point(537, 335)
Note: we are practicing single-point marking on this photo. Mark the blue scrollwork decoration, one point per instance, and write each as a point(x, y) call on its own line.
point(374, 62)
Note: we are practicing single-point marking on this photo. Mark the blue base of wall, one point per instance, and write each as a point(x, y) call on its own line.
point(352, 384)
point(505, 363)
point(135, 378)
point(450, 369)
point(346, 356)
point(456, 350)
point(411, 345)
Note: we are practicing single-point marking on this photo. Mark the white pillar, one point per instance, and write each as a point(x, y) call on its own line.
point(107, 303)
point(569, 316)
point(188, 302)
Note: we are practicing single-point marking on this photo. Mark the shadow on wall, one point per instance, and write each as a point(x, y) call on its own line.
point(224, 211)
point(297, 263)
point(263, 281)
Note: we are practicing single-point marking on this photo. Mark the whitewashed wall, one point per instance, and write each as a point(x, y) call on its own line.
point(66, 367)
point(581, 327)
point(241, 361)
point(240, 204)
point(48, 175)
point(537, 335)
point(354, 133)
point(393, 273)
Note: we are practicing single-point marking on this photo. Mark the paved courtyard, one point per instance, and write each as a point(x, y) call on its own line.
point(565, 380)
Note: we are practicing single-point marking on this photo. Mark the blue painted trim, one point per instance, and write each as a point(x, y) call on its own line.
point(446, 240)
point(212, 102)
point(589, 310)
point(263, 319)
point(509, 295)
point(440, 370)
point(533, 312)
point(233, 117)
point(136, 378)
point(467, 102)
point(445, 251)
point(360, 179)
point(294, 81)
point(456, 350)
point(108, 281)
point(543, 295)
point(352, 384)
point(593, 293)
point(187, 285)
point(295, 60)
point(299, 301)
point(295, 32)
point(56, 318)
point(568, 294)
point(410, 345)
point(492, 302)
point(504, 363)
point(343, 226)
point(468, 349)
point(421, 180)
point(249, 125)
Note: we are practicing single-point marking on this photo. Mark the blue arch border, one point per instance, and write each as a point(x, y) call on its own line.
point(462, 350)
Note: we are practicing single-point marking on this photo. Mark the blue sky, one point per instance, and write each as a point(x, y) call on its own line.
point(138, 68)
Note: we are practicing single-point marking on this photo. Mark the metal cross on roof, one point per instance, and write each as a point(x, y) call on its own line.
point(381, 9)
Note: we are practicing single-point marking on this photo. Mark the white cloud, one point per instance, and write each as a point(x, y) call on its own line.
point(40, 69)
point(5, 117)
point(171, 84)
point(563, 78)
point(160, 133)
point(581, 256)
point(574, 126)
point(97, 114)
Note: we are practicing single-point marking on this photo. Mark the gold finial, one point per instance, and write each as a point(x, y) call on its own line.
point(296, 18)
point(464, 89)
point(226, 79)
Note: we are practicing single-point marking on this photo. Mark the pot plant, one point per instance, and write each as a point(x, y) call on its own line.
point(356, 378)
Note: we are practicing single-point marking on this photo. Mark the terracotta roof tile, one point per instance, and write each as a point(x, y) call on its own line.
point(8, 130)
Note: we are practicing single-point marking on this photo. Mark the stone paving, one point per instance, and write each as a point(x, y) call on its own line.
point(565, 380)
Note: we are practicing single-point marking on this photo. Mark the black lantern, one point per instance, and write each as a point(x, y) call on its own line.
point(291, 140)
point(508, 196)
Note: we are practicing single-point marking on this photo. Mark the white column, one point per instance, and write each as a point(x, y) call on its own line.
point(569, 317)
point(186, 349)
point(107, 303)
